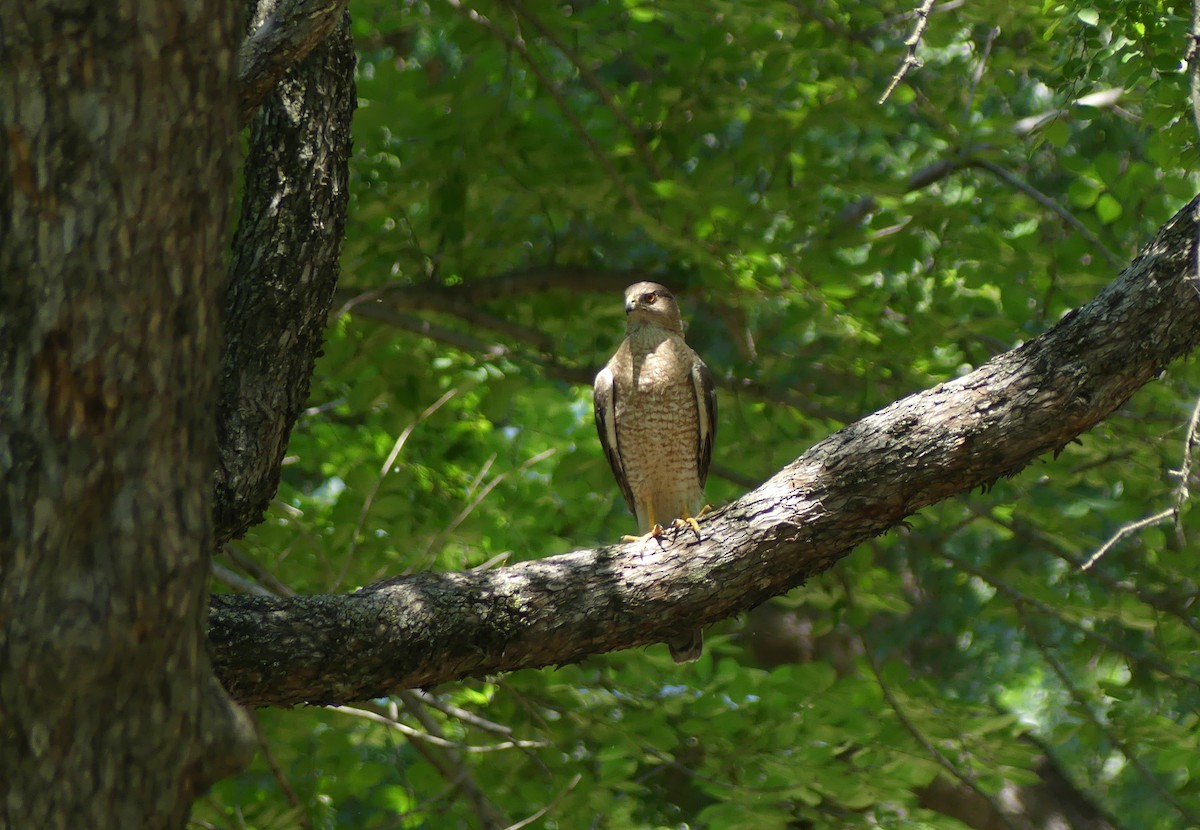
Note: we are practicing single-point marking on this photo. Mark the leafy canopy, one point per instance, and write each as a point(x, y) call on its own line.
point(833, 254)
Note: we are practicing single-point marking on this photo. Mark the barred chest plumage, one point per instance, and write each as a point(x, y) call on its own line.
point(657, 423)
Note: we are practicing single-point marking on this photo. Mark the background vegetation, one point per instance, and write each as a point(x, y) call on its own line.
point(518, 163)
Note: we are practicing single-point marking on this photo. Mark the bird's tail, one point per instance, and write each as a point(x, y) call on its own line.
point(687, 649)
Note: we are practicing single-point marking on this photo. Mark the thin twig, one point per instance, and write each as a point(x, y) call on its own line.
point(1133, 757)
point(1051, 205)
point(458, 713)
point(489, 815)
point(493, 562)
point(518, 46)
point(1192, 58)
point(383, 471)
point(1053, 613)
point(904, 17)
point(440, 538)
point(910, 58)
point(549, 806)
point(1182, 492)
point(277, 772)
point(251, 566)
point(977, 76)
point(1026, 533)
point(965, 777)
point(429, 738)
point(443, 334)
point(459, 777)
point(593, 83)
point(481, 475)
point(1125, 530)
point(238, 582)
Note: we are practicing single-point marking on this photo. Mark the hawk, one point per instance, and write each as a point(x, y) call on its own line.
point(657, 417)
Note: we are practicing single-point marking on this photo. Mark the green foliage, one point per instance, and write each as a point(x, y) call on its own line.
point(833, 254)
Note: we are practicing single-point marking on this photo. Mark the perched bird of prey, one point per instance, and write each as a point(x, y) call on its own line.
point(657, 418)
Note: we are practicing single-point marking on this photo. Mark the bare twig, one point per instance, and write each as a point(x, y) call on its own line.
point(1192, 57)
point(977, 76)
point(459, 777)
point(593, 83)
point(549, 806)
point(442, 334)
point(964, 776)
point(428, 737)
point(517, 45)
point(910, 58)
point(1045, 201)
point(904, 17)
point(1131, 755)
point(238, 582)
point(1182, 492)
point(1125, 530)
point(452, 767)
point(458, 713)
point(580, 375)
point(1101, 99)
point(1018, 597)
point(539, 278)
point(1035, 536)
point(494, 561)
point(440, 538)
point(383, 471)
point(249, 565)
point(277, 773)
point(465, 306)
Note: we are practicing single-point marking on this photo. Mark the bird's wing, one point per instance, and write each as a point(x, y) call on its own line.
point(706, 416)
point(604, 400)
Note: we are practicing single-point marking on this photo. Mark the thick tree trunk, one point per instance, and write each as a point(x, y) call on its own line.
point(854, 485)
point(117, 154)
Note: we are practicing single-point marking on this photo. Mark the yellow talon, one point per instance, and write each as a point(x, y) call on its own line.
point(686, 521)
point(656, 532)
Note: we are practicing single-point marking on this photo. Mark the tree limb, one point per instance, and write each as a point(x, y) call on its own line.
point(284, 269)
point(911, 43)
point(284, 36)
point(852, 486)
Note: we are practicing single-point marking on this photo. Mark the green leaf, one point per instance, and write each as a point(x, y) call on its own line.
point(1108, 208)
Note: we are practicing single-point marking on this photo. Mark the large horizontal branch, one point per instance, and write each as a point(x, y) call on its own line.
point(856, 484)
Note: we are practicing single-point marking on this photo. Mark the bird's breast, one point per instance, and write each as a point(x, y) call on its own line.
point(666, 365)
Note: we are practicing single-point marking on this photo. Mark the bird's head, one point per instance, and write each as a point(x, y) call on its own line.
point(651, 304)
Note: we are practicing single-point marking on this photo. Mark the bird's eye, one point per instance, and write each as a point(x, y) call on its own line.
point(649, 299)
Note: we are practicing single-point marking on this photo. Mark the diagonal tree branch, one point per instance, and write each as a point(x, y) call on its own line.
point(911, 43)
point(850, 487)
point(284, 269)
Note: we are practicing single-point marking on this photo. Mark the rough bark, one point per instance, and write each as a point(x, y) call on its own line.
point(281, 39)
point(856, 484)
point(116, 163)
point(285, 267)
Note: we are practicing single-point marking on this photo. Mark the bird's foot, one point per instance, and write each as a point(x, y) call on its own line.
point(692, 522)
point(684, 522)
point(656, 533)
